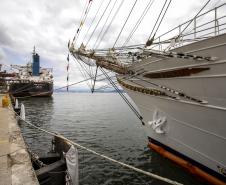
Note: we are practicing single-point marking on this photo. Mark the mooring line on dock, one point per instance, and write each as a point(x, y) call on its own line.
point(164, 179)
point(9, 153)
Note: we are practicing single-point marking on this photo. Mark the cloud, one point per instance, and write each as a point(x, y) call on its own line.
point(2, 55)
point(5, 38)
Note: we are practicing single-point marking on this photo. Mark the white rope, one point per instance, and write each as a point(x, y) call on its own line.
point(103, 156)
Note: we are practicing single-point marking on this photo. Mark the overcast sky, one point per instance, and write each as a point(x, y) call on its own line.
point(50, 24)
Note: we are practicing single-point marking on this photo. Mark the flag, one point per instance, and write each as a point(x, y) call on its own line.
point(68, 45)
point(68, 57)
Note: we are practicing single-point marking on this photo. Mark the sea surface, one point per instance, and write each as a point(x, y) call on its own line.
point(104, 123)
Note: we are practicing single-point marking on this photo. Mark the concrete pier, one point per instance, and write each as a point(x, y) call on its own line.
point(15, 163)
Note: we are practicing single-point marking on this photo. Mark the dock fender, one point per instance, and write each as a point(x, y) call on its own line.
point(72, 164)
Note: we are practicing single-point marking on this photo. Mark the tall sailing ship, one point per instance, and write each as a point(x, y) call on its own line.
point(31, 80)
point(178, 83)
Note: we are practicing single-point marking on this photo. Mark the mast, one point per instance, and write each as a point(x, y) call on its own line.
point(34, 51)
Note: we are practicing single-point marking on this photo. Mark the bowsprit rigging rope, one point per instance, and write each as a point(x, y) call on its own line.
point(123, 97)
point(84, 71)
point(94, 81)
point(125, 23)
point(63, 87)
point(81, 82)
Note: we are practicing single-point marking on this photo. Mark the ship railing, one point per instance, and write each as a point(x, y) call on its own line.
point(208, 24)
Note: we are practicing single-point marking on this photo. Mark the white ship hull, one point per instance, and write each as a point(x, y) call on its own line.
point(192, 126)
point(190, 129)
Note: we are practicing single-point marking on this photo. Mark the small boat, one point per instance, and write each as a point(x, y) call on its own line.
point(52, 168)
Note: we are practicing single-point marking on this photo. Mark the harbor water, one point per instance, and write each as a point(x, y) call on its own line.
point(104, 123)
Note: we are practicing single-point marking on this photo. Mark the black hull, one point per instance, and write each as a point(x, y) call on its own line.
point(33, 89)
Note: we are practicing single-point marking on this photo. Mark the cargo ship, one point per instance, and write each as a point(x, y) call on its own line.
point(31, 80)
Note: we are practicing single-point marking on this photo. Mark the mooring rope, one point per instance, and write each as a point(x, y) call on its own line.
point(164, 179)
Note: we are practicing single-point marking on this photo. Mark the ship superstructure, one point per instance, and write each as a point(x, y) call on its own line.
point(31, 80)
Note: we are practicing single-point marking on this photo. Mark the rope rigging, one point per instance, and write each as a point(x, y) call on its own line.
point(163, 17)
point(189, 22)
point(84, 72)
point(124, 23)
point(104, 24)
point(157, 20)
point(98, 22)
point(138, 22)
point(83, 18)
point(195, 16)
point(67, 71)
point(150, 40)
point(124, 56)
point(28, 87)
point(112, 20)
point(101, 3)
point(92, 90)
point(123, 97)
